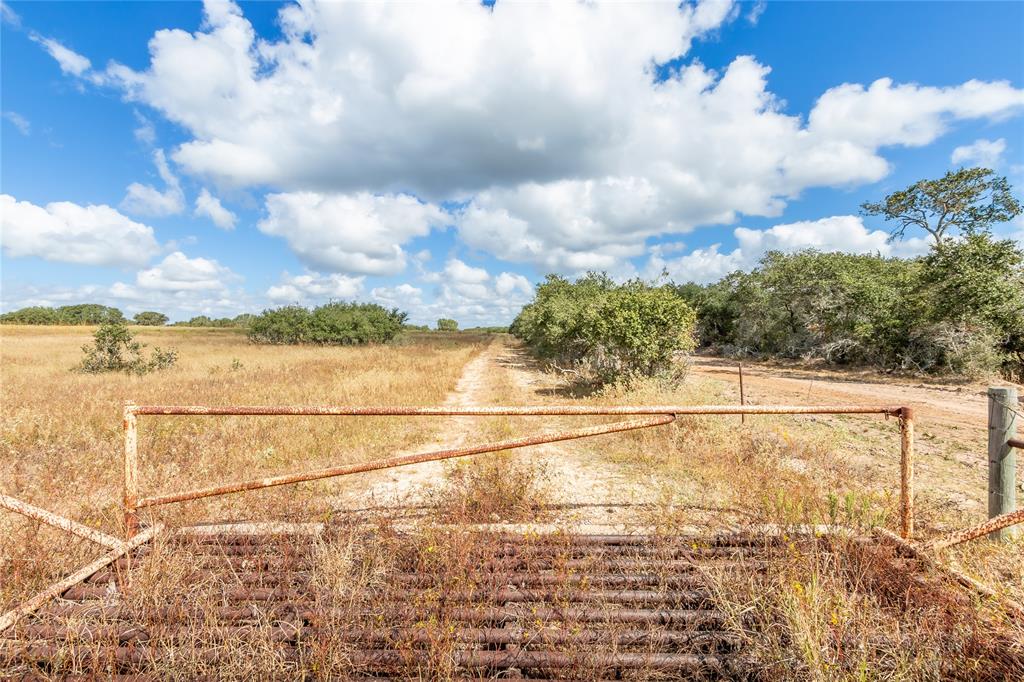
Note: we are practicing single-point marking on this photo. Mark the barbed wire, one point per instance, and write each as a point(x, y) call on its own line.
point(1007, 406)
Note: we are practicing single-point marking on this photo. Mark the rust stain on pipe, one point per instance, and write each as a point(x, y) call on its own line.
point(993, 524)
point(404, 460)
point(57, 521)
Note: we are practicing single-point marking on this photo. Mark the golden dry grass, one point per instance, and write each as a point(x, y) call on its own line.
point(61, 433)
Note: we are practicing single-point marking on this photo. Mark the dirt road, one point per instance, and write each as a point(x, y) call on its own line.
point(937, 405)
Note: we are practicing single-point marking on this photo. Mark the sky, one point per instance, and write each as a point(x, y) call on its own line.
point(219, 158)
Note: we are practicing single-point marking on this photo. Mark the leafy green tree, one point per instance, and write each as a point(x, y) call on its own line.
point(968, 200)
point(150, 318)
point(446, 324)
point(89, 313)
point(976, 289)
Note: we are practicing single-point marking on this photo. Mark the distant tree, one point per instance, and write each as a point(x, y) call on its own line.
point(446, 324)
point(969, 200)
point(89, 313)
point(151, 318)
point(31, 315)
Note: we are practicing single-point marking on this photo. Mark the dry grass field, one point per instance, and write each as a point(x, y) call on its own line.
point(61, 434)
point(823, 608)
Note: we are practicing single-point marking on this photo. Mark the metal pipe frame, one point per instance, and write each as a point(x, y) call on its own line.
point(658, 415)
point(62, 522)
point(55, 590)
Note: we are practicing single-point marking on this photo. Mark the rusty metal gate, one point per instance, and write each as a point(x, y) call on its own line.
point(617, 605)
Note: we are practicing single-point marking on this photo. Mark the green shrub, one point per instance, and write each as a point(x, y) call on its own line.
point(330, 324)
point(604, 331)
point(446, 324)
point(114, 349)
point(150, 318)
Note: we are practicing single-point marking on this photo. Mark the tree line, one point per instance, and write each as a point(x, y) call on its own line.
point(958, 310)
point(96, 314)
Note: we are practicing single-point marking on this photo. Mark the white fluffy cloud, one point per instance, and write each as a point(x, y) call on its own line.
point(359, 233)
point(315, 287)
point(178, 272)
point(403, 296)
point(837, 233)
point(985, 153)
point(545, 119)
point(148, 200)
point(468, 293)
point(210, 206)
point(65, 231)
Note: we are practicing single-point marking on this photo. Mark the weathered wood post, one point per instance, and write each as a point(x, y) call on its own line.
point(1002, 458)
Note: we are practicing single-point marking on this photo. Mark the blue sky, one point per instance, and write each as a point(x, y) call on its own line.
point(218, 160)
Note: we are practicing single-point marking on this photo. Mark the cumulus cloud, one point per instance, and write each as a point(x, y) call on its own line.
point(70, 62)
point(358, 233)
point(508, 284)
point(210, 206)
point(316, 287)
point(178, 272)
point(466, 292)
point(148, 200)
point(403, 296)
point(837, 233)
point(65, 231)
point(985, 153)
point(545, 121)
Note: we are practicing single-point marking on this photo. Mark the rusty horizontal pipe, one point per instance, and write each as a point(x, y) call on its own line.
point(62, 522)
point(994, 524)
point(510, 411)
point(473, 659)
point(283, 632)
point(683, 618)
point(1016, 443)
point(404, 460)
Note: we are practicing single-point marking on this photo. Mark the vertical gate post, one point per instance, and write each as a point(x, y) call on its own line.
point(131, 469)
point(1002, 459)
point(907, 472)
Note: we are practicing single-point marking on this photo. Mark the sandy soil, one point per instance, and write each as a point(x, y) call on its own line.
point(938, 406)
point(406, 486)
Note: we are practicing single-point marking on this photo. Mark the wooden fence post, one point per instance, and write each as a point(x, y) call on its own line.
point(1002, 459)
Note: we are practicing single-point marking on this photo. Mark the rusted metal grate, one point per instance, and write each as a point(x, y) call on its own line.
point(492, 606)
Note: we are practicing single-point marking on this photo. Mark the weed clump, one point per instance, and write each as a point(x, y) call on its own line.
point(114, 349)
point(492, 489)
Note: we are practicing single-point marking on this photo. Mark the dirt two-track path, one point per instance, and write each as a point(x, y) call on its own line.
point(581, 491)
